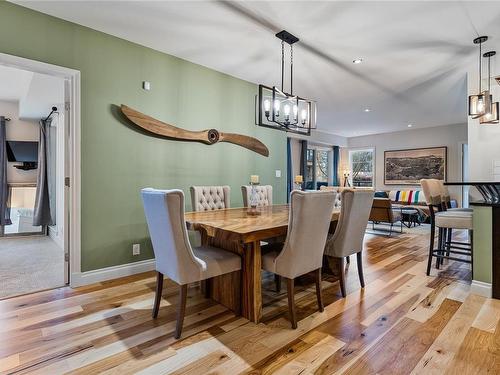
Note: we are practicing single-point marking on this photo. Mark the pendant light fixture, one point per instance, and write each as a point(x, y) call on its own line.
point(285, 111)
point(491, 115)
point(479, 104)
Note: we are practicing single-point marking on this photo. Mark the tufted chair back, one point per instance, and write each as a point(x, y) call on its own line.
point(208, 198)
point(264, 195)
point(174, 256)
point(350, 230)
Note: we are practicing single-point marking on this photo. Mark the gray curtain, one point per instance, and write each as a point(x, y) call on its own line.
point(303, 163)
point(4, 187)
point(44, 213)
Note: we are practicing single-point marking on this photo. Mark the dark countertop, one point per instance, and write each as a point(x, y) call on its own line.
point(471, 183)
point(484, 203)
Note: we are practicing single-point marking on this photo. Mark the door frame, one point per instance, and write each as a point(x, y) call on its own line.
point(72, 77)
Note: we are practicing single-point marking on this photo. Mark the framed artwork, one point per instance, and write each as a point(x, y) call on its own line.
point(408, 167)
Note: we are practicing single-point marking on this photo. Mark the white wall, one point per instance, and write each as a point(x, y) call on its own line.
point(451, 136)
point(19, 130)
point(322, 138)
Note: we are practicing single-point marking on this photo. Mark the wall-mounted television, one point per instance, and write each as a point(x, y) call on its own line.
point(22, 151)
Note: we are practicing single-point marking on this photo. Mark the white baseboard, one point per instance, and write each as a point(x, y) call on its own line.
point(108, 273)
point(481, 288)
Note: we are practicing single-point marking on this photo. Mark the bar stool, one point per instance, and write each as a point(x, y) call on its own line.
point(445, 197)
point(445, 220)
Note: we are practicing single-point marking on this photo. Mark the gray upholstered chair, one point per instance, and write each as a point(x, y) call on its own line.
point(308, 224)
point(264, 195)
point(207, 198)
point(350, 231)
point(446, 220)
point(174, 255)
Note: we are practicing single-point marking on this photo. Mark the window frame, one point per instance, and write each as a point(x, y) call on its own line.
point(314, 148)
point(370, 149)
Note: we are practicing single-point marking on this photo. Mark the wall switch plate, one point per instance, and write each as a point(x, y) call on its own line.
point(136, 249)
point(278, 173)
point(146, 85)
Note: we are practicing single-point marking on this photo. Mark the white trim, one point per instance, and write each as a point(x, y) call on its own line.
point(73, 77)
point(481, 288)
point(103, 274)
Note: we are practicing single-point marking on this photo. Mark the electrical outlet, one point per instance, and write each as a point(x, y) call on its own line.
point(278, 173)
point(136, 249)
point(146, 85)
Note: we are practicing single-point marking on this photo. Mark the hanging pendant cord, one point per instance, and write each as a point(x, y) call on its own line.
point(282, 64)
point(291, 69)
point(480, 56)
point(489, 73)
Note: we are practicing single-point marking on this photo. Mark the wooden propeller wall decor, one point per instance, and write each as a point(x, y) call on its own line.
point(209, 137)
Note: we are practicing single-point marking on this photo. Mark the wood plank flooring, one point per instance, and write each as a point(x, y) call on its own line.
point(403, 322)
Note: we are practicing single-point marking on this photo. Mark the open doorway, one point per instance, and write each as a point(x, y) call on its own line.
point(35, 168)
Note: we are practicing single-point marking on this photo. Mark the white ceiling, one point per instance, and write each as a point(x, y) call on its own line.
point(416, 54)
point(34, 92)
point(15, 83)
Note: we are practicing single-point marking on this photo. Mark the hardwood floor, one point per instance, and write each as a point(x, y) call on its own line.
point(402, 322)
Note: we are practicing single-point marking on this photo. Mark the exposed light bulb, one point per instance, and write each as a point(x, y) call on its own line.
point(277, 107)
point(480, 105)
point(303, 114)
point(267, 105)
point(295, 111)
point(286, 109)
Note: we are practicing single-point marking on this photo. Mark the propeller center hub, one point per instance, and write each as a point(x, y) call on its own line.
point(213, 136)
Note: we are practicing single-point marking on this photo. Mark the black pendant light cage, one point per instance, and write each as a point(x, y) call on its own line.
point(491, 115)
point(480, 103)
point(277, 109)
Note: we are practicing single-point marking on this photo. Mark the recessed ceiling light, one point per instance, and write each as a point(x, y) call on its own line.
point(410, 125)
point(367, 110)
point(359, 60)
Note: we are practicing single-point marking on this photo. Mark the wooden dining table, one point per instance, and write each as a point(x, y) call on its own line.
point(238, 231)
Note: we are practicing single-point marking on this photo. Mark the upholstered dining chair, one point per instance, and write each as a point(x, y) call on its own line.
point(446, 220)
point(174, 255)
point(207, 198)
point(264, 194)
point(308, 224)
point(350, 231)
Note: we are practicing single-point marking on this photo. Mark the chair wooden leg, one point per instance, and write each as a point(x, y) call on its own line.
point(342, 277)
point(431, 249)
point(290, 287)
point(449, 238)
point(440, 242)
point(159, 289)
point(319, 296)
point(360, 269)
point(277, 281)
point(181, 310)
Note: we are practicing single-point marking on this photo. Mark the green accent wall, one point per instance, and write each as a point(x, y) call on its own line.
point(483, 237)
point(117, 161)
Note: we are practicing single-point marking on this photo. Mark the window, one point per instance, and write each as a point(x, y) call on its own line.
point(318, 167)
point(361, 167)
point(322, 166)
